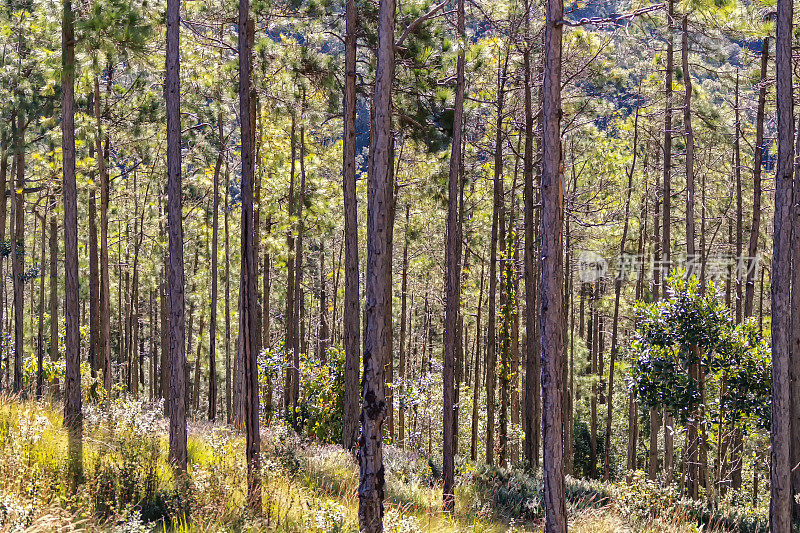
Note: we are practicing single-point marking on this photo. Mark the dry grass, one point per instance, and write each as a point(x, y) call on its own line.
point(307, 486)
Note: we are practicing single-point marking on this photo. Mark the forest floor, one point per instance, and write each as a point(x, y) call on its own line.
point(128, 486)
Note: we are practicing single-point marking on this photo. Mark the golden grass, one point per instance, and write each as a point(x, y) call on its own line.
point(307, 487)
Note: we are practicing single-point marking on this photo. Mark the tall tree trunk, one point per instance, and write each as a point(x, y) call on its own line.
point(17, 253)
point(165, 362)
point(323, 334)
point(665, 252)
point(617, 292)
point(291, 327)
point(299, 296)
point(94, 286)
point(476, 378)
point(378, 309)
point(403, 326)
point(40, 336)
point(177, 356)
point(248, 325)
point(552, 274)
point(54, 257)
point(694, 433)
point(794, 342)
point(73, 417)
point(228, 369)
point(265, 325)
point(491, 348)
point(351, 313)
point(212, 325)
point(758, 157)
point(506, 312)
point(105, 286)
point(3, 216)
point(532, 363)
point(737, 172)
point(453, 295)
point(780, 483)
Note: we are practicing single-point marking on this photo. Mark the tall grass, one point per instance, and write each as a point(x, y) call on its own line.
point(307, 486)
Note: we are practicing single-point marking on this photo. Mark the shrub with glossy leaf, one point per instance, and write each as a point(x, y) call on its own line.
point(693, 327)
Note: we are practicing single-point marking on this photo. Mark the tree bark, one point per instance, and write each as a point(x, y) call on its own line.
point(291, 327)
point(17, 253)
point(403, 326)
point(299, 296)
point(73, 417)
point(491, 349)
point(758, 156)
point(212, 325)
point(378, 309)
point(476, 378)
point(94, 288)
point(40, 335)
point(54, 256)
point(737, 172)
point(177, 356)
point(453, 294)
point(532, 363)
point(105, 290)
point(248, 325)
point(780, 484)
point(552, 273)
point(228, 369)
point(794, 344)
point(351, 313)
point(323, 335)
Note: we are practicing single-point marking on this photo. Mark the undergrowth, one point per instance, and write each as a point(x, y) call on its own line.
point(128, 486)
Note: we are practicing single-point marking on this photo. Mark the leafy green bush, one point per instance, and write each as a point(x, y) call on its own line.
point(321, 401)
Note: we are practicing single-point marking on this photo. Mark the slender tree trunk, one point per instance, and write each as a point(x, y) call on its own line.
point(197, 369)
point(248, 325)
point(617, 292)
point(552, 274)
point(3, 216)
point(299, 304)
point(693, 434)
point(212, 324)
point(105, 290)
point(73, 417)
point(40, 336)
point(177, 356)
point(758, 156)
point(506, 312)
point(780, 483)
point(323, 335)
point(291, 328)
point(351, 313)
point(476, 378)
point(94, 286)
point(228, 369)
point(54, 257)
point(665, 251)
point(165, 361)
point(737, 172)
point(17, 254)
point(794, 340)
point(453, 298)
point(378, 309)
point(491, 348)
point(532, 363)
point(403, 312)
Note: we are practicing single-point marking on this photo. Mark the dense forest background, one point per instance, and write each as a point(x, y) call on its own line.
point(398, 263)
